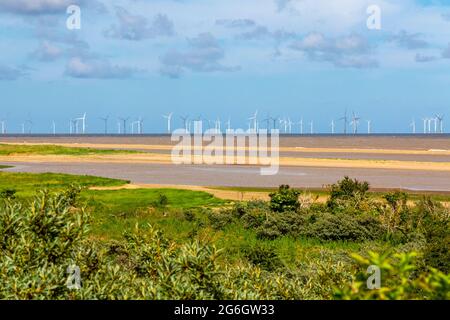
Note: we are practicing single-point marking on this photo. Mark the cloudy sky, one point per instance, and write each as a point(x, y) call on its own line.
point(214, 58)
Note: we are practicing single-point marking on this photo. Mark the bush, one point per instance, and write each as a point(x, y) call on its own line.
point(220, 219)
point(397, 282)
point(334, 227)
point(289, 223)
point(347, 193)
point(263, 256)
point(285, 199)
point(8, 194)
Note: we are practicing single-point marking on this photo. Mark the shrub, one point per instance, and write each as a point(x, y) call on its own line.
point(347, 193)
point(8, 194)
point(189, 215)
point(220, 219)
point(285, 199)
point(397, 282)
point(275, 225)
point(263, 256)
point(343, 227)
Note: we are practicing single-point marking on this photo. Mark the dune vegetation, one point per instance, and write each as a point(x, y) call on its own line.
point(180, 244)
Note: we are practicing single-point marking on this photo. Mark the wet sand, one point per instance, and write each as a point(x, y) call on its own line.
point(245, 176)
point(416, 163)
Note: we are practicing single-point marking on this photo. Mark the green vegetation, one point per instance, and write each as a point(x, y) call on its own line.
point(13, 149)
point(176, 244)
point(4, 167)
point(26, 184)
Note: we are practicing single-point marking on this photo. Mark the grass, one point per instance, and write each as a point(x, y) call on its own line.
point(4, 167)
point(26, 184)
point(12, 149)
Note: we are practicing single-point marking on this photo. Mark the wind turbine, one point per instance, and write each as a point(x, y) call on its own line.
point(217, 126)
point(440, 119)
point(3, 122)
point(413, 126)
point(369, 126)
point(311, 124)
point(229, 124)
point(332, 127)
point(185, 120)
point(83, 123)
point(54, 128)
point(345, 119)
point(124, 127)
point(355, 123)
point(169, 120)
point(301, 126)
point(30, 127)
point(425, 122)
point(254, 118)
point(105, 120)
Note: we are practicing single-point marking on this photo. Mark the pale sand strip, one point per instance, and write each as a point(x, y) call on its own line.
point(281, 149)
point(291, 162)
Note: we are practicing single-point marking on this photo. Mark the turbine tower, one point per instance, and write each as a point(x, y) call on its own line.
point(254, 119)
point(124, 122)
point(105, 121)
point(440, 119)
point(332, 127)
point(185, 120)
point(169, 120)
point(345, 119)
point(83, 123)
point(3, 122)
point(355, 123)
point(54, 128)
point(369, 126)
point(413, 126)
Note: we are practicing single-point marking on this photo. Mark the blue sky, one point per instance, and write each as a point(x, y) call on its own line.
point(215, 58)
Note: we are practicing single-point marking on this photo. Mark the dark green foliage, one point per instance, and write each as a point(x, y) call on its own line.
point(263, 256)
point(289, 223)
point(348, 193)
point(8, 194)
point(344, 227)
point(397, 200)
point(220, 219)
point(285, 199)
point(189, 215)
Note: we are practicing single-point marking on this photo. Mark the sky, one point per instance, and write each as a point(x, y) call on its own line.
point(310, 59)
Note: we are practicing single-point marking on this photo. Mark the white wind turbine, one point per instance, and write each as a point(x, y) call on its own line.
point(413, 126)
point(332, 127)
point(3, 123)
point(312, 127)
point(124, 122)
point(289, 124)
point(369, 126)
point(425, 123)
point(440, 119)
point(186, 122)
point(105, 121)
point(354, 123)
point(169, 121)
point(254, 119)
point(83, 123)
point(217, 126)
